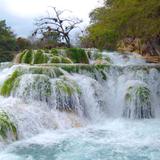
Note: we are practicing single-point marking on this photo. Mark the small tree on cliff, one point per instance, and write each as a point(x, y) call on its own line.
point(57, 24)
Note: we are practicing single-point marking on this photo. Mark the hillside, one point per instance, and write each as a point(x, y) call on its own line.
point(128, 25)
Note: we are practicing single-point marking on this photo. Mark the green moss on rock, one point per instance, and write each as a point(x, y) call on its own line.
point(65, 60)
point(108, 59)
point(37, 87)
point(97, 56)
point(54, 52)
point(144, 94)
point(138, 102)
point(60, 59)
point(55, 59)
point(77, 55)
point(26, 57)
point(7, 126)
point(72, 55)
point(67, 86)
point(8, 84)
point(38, 57)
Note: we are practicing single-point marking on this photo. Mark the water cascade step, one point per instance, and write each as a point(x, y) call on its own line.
point(51, 96)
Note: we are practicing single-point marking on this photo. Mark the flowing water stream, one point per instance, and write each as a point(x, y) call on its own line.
point(82, 112)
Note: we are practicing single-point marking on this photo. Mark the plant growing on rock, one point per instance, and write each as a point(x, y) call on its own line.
point(138, 102)
point(77, 55)
point(7, 127)
point(8, 84)
point(67, 92)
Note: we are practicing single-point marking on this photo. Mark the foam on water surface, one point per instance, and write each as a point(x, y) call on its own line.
point(83, 112)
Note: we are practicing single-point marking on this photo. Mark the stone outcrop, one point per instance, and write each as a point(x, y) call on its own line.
point(149, 49)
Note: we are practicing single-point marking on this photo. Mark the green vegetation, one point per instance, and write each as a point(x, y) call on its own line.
point(77, 55)
point(52, 71)
point(7, 42)
point(27, 57)
point(39, 85)
point(55, 59)
point(143, 94)
point(54, 51)
point(71, 55)
point(139, 98)
point(66, 89)
point(67, 86)
point(65, 60)
point(39, 57)
point(6, 126)
point(60, 59)
point(97, 56)
point(8, 84)
point(101, 59)
point(119, 19)
point(23, 43)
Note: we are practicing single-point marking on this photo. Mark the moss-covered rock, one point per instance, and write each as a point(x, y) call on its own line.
point(96, 71)
point(97, 56)
point(8, 84)
point(55, 59)
point(7, 127)
point(77, 55)
point(108, 59)
point(67, 86)
point(60, 59)
point(36, 87)
point(67, 94)
point(65, 60)
point(41, 57)
point(27, 57)
point(54, 52)
point(38, 57)
point(138, 102)
point(51, 71)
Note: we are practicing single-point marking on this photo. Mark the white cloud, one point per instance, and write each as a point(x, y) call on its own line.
point(23, 9)
point(33, 8)
point(20, 14)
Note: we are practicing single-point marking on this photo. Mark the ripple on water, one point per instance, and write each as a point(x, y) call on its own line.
point(114, 140)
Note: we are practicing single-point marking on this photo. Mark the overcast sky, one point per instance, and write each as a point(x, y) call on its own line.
point(20, 14)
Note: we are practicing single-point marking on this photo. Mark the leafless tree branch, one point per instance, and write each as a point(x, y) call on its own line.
point(63, 26)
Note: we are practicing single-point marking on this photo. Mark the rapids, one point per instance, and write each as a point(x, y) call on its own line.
point(82, 112)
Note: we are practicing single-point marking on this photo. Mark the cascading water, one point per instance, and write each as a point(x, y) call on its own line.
point(83, 112)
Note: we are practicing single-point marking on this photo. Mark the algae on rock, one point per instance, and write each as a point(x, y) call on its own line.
point(77, 55)
point(8, 84)
point(138, 102)
point(67, 95)
point(7, 127)
point(41, 57)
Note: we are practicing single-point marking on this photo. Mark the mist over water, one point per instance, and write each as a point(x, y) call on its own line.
point(91, 114)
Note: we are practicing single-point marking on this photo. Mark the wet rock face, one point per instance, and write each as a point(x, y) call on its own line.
point(71, 55)
point(145, 48)
point(138, 102)
point(7, 128)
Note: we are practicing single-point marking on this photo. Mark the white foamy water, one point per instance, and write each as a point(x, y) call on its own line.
point(115, 139)
point(111, 112)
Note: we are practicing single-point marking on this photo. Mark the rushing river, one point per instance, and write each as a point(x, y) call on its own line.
point(87, 113)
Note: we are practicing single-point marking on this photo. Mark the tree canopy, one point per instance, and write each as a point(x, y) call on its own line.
point(7, 38)
point(7, 42)
point(118, 19)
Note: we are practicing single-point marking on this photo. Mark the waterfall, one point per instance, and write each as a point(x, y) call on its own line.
point(43, 97)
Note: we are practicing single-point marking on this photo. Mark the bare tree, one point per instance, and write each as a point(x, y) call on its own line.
point(57, 24)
